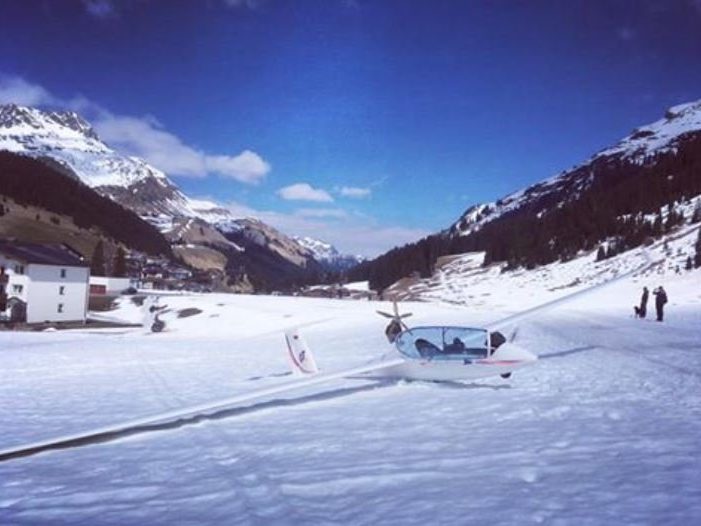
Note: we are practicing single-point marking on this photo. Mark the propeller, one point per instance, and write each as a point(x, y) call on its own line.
point(395, 315)
point(396, 325)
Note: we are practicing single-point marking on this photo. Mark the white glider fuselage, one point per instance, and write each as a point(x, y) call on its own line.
point(429, 353)
point(505, 360)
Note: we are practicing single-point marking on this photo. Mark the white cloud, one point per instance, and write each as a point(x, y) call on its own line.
point(146, 137)
point(99, 8)
point(143, 137)
point(16, 90)
point(351, 234)
point(247, 167)
point(355, 192)
point(304, 192)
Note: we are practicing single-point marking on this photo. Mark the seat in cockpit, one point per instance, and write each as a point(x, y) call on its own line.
point(425, 348)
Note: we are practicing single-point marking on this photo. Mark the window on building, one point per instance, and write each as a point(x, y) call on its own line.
point(63, 272)
point(17, 289)
point(19, 269)
point(60, 307)
point(62, 290)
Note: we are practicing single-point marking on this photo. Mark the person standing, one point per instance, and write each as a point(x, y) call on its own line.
point(643, 302)
point(660, 300)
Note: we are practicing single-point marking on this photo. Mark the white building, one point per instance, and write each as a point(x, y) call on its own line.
point(106, 286)
point(41, 283)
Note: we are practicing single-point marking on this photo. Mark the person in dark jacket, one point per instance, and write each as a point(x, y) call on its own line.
point(660, 300)
point(642, 312)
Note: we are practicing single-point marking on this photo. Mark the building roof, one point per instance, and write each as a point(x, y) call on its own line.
point(42, 254)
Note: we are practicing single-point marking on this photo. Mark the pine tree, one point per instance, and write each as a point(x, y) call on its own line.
point(689, 265)
point(697, 259)
point(119, 265)
point(97, 263)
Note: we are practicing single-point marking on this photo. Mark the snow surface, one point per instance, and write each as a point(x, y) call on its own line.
point(602, 430)
point(463, 280)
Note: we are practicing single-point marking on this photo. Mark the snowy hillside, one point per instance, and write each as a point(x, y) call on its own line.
point(602, 430)
point(625, 197)
point(661, 135)
point(461, 279)
point(645, 141)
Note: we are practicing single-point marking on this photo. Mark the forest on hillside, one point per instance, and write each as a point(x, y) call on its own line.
point(626, 205)
point(30, 181)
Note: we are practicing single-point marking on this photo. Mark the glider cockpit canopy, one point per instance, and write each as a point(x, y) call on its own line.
point(446, 343)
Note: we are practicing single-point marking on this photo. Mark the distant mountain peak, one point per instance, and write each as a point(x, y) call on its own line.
point(72, 120)
point(682, 110)
point(16, 116)
point(326, 254)
point(658, 136)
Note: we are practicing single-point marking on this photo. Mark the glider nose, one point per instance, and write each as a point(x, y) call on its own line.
point(523, 355)
point(528, 356)
point(510, 351)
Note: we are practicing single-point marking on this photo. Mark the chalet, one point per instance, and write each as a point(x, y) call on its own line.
point(41, 283)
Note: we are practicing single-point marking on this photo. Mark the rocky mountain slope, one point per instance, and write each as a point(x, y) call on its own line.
point(66, 141)
point(65, 210)
point(327, 255)
point(70, 141)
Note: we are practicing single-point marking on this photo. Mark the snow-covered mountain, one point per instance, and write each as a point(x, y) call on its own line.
point(326, 254)
point(621, 198)
point(462, 279)
point(661, 136)
point(68, 139)
point(263, 235)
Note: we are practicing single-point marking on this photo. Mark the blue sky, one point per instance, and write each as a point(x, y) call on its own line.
point(366, 123)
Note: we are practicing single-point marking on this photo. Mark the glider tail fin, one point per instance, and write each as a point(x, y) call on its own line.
point(299, 354)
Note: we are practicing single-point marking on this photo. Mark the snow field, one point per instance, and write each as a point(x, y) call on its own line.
point(603, 429)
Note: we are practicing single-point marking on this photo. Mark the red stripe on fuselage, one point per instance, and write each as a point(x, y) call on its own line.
point(499, 362)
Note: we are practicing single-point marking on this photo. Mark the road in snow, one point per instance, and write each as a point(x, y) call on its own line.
point(604, 429)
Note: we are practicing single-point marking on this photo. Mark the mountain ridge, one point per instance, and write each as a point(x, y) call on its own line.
point(661, 136)
point(622, 195)
point(68, 142)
